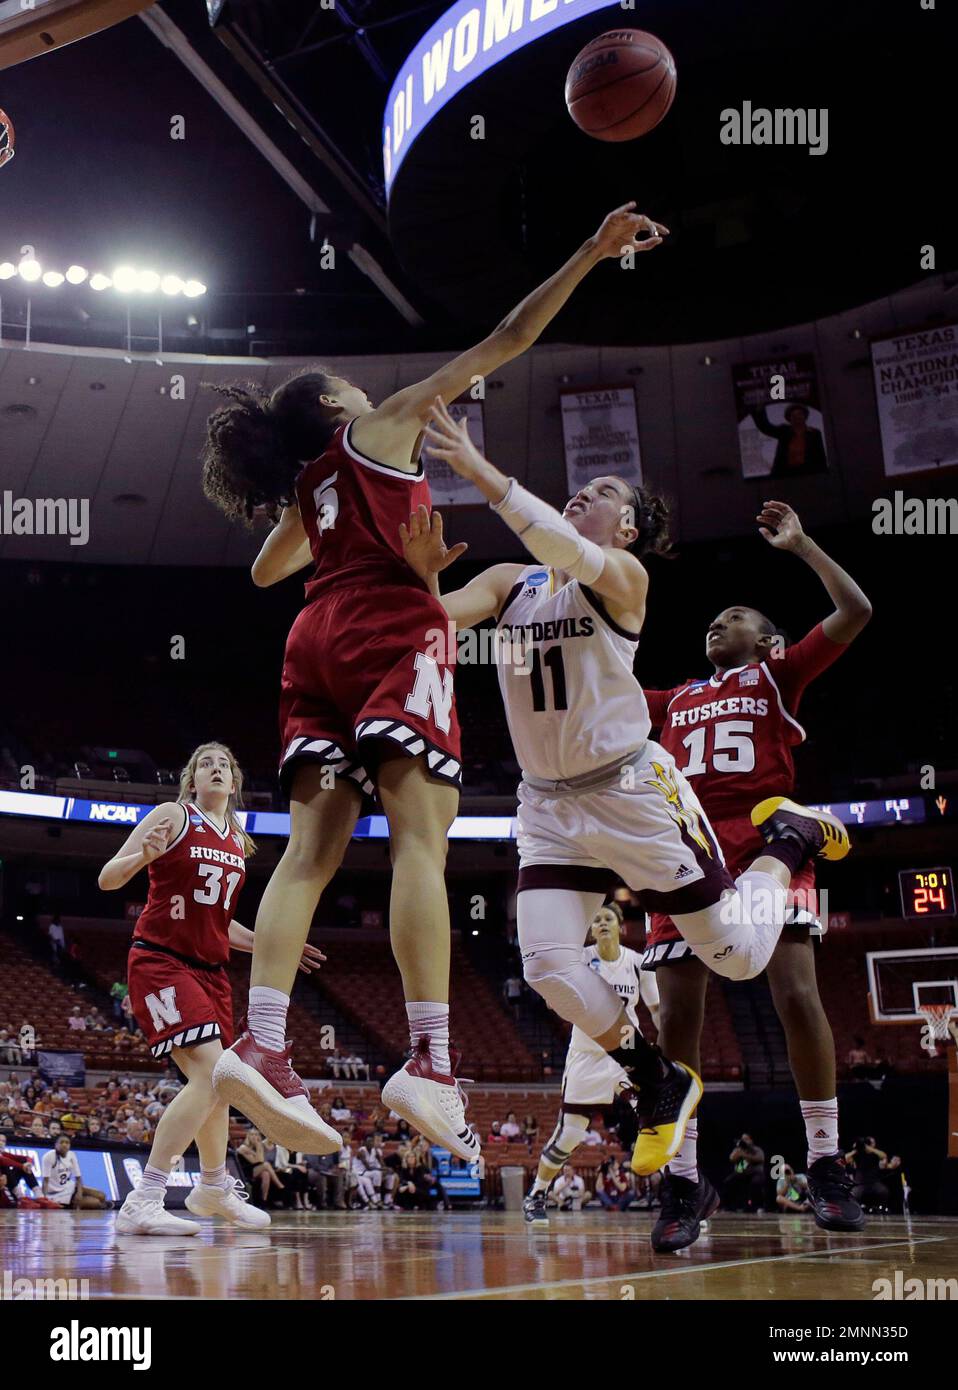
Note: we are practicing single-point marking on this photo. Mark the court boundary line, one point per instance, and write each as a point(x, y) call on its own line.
point(639, 1276)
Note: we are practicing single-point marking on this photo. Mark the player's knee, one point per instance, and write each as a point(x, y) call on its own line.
point(561, 977)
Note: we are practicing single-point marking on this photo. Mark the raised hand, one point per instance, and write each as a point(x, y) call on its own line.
point(311, 959)
point(156, 841)
point(620, 230)
point(424, 548)
point(780, 526)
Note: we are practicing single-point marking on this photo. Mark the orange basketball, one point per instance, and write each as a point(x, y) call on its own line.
point(7, 138)
point(621, 85)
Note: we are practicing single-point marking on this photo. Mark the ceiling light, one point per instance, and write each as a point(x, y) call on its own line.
point(77, 274)
point(171, 284)
point(148, 282)
point(100, 281)
point(30, 269)
point(7, 269)
point(53, 278)
point(192, 288)
point(124, 279)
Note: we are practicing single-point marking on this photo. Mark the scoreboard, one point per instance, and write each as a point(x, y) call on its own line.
point(927, 892)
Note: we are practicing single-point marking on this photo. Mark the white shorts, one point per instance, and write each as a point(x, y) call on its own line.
point(648, 829)
point(591, 1078)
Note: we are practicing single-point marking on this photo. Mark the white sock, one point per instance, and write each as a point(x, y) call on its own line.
point(266, 1017)
point(821, 1127)
point(432, 1020)
point(215, 1177)
point(685, 1164)
point(154, 1180)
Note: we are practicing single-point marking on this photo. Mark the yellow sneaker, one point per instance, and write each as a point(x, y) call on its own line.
point(823, 834)
point(665, 1108)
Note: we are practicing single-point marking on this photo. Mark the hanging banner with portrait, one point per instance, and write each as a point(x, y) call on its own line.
point(600, 432)
point(781, 431)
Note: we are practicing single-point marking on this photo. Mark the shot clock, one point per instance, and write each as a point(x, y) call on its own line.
point(927, 892)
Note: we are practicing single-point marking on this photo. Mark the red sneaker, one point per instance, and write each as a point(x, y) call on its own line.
point(263, 1086)
point(432, 1103)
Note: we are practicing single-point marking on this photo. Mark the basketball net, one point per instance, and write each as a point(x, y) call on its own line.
point(938, 1026)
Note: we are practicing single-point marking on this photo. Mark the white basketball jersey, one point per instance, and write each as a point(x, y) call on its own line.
point(624, 975)
point(573, 705)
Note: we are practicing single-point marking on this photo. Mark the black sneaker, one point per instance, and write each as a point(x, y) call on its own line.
point(830, 1195)
point(818, 832)
point(664, 1109)
point(685, 1205)
point(534, 1209)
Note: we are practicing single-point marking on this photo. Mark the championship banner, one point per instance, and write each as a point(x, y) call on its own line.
point(916, 387)
point(600, 432)
point(447, 488)
point(67, 1068)
point(780, 425)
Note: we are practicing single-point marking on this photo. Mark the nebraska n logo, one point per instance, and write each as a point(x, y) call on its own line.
point(431, 694)
point(162, 1007)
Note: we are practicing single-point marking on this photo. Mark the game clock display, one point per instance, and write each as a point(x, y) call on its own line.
point(927, 892)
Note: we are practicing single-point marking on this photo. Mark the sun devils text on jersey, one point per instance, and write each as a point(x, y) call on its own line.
point(194, 887)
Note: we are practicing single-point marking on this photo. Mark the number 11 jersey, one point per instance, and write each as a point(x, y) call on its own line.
point(572, 701)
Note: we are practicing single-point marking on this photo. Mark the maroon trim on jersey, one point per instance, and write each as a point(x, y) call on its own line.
point(511, 597)
point(195, 964)
point(692, 897)
point(440, 763)
point(596, 602)
point(666, 953)
point(390, 468)
point(583, 878)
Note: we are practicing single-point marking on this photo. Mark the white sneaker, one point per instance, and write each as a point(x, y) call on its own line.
point(143, 1214)
point(228, 1202)
point(431, 1103)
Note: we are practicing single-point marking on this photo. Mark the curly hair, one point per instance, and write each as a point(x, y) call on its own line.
point(652, 517)
point(256, 444)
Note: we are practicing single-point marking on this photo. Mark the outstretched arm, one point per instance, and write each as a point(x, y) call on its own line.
point(284, 551)
point(426, 553)
point(781, 527)
point(517, 331)
point(242, 939)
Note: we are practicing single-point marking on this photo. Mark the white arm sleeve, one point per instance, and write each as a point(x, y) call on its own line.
point(547, 536)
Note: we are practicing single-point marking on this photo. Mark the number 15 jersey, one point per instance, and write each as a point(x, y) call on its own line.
point(572, 702)
point(193, 889)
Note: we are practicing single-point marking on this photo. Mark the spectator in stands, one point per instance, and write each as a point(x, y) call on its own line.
point(129, 1022)
point(746, 1183)
point(512, 989)
point(118, 992)
point(57, 941)
point(368, 1168)
point(9, 1047)
point(867, 1162)
point(419, 1187)
point(293, 1176)
point(340, 1111)
point(94, 1125)
point(76, 1022)
point(326, 1180)
point(252, 1152)
point(74, 963)
point(28, 1041)
point(96, 1023)
point(530, 1130)
point(17, 1168)
point(568, 1190)
point(403, 1133)
point(63, 1180)
point(29, 1100)
point(495, 1135)
point(356, 1067)
point(857, 1060)
point(7, 1125)
point(510, 1129)
point(59, 1094)
point(55, 1128)
point(613, 1186)
point(73, 1123)
point(34, 1079)
point(791, 1191)
point(137, 1129)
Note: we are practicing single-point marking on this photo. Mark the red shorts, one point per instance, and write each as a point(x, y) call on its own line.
point(178, 1004)
point(364, 667)
point(741, 845)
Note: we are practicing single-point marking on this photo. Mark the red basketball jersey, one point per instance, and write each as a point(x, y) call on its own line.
point(193, 890)
point(351, 508)
point(733, 734)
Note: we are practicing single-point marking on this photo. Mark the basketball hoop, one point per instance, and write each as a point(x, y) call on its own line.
point(937, 1026)
point(7, 139)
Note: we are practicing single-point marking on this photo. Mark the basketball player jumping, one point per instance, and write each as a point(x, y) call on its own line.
point(732, 736)
point(591, 1079)
point(597, 797)
point(196, 851)
point(362, 704)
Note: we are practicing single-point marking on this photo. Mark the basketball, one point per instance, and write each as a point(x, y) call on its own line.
point(621, 85)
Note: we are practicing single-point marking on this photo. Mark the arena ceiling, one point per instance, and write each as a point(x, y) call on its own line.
point(762, 237)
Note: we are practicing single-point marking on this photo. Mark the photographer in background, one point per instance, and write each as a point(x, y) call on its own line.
point(745, 1185)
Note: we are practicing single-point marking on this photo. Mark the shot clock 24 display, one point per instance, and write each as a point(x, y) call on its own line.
point(927, 892)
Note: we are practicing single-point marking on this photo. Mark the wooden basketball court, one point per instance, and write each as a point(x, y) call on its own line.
point(481, 1255)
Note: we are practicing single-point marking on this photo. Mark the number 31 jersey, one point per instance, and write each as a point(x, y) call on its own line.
point(194, 887)
point(572, 702)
